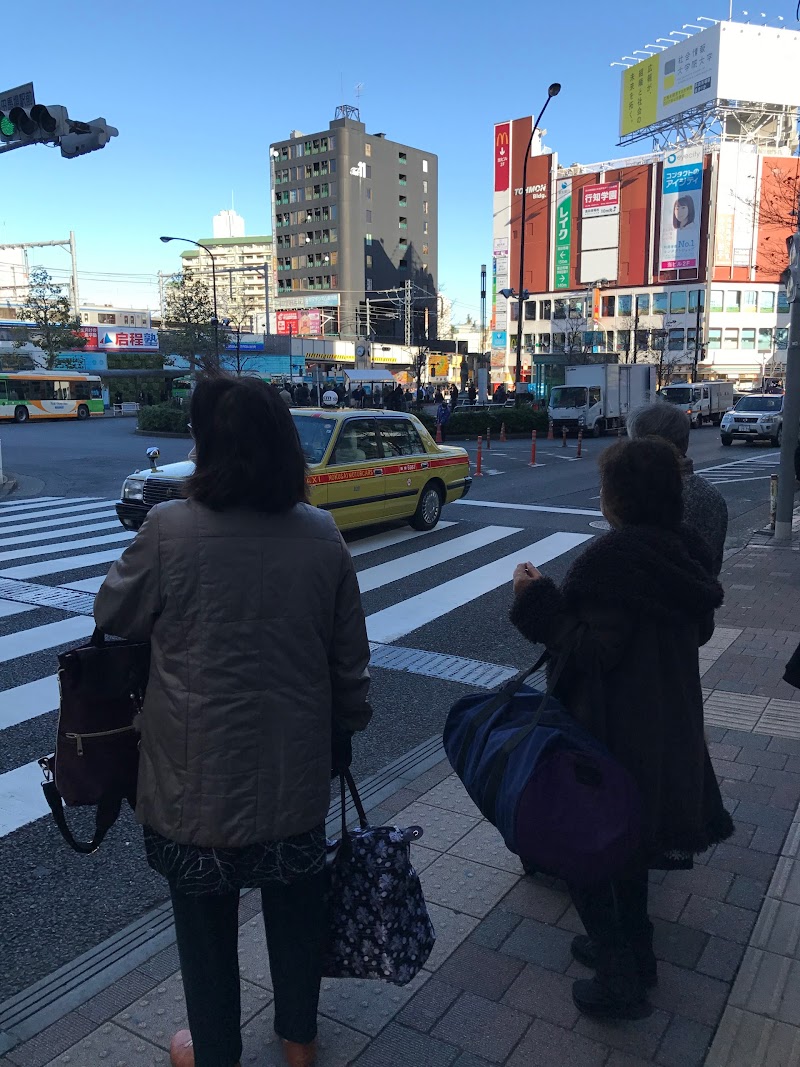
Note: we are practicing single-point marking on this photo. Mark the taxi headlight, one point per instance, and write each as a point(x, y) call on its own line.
point(132, 490)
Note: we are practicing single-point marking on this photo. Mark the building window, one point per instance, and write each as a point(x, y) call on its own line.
point(765, 339)
point(717, 300)
point(782, 337)
point(369, 194)
point(425, 185)
point(767, 301)
point(609, 340)
point(530, 310)
point(402, 201)
point(748, 340)
point(659, 338)
point(369, 170)
point(424, 166)
point(642, 340)
point(403, 242)
point(749, 301)
point(544, 342)
point(403, 223)
point(623, 340)
point(733, 300)
point(368, 261)
point(544, 309)
point(714, 338)
point(697, 298)
point(676, 342)
point(369, 285)
point(425, 227)
point(369, 215)
point(560, 309)
point(402, 157)
point(677, 302)
point(783, 302)
point(730, 339)
point(424, 249)
point(367, 148)
point(403, 264)
point(607, 306)
point(660, 303)
point(402, 180)
point(424, 207)
point(624, 305)
point(106, 319)
point(367, 238)
point(643, 303)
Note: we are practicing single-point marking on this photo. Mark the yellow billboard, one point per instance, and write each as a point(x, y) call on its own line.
point(439, 366)
point(639, 96)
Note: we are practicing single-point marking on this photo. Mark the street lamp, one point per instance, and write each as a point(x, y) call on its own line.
point(522, 294)
point(215, 320)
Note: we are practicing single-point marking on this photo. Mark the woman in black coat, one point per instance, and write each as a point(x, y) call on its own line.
point(634, 609)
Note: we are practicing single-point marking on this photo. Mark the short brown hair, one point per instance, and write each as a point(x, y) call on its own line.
point(248, 450)
point(641, 482)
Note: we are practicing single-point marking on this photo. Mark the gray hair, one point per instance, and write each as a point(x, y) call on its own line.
point(661, 419)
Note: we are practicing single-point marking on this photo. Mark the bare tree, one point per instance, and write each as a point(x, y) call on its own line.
point(238, 317)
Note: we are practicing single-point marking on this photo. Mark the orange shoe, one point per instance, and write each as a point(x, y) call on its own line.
point(181, 1052)
point(297, 1055)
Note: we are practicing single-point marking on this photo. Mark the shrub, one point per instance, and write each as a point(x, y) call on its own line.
point(465, 423)
point(164, 418)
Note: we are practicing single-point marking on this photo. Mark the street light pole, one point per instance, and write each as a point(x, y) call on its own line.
point(210, 254)
point(553, 90)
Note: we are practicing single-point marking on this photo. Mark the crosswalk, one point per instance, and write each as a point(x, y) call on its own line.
point(55, 552)
point(747, 469)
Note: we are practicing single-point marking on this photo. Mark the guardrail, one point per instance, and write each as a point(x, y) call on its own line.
point(126, 409)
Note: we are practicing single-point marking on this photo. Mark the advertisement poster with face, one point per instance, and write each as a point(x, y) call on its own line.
point(681, 207)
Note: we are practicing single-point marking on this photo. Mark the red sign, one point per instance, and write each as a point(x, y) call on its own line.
point(502, 157)
point(287, 322)
point(302, 323)
point(90, 333)
point(600, 200)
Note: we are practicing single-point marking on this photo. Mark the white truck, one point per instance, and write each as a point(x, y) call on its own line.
point(597, 397)
point(702, 401)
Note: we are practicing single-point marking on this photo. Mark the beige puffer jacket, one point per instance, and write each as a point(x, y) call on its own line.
point(258, 644)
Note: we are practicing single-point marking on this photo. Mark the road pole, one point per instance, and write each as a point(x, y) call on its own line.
point(791, 421)
point(74, 258)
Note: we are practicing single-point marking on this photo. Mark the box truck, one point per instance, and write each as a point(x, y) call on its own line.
point(702, 401)
point(597, 397)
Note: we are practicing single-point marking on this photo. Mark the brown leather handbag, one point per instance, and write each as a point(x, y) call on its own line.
point(96, 759)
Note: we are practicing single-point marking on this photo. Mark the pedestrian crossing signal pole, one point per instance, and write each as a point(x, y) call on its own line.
point(791, 398)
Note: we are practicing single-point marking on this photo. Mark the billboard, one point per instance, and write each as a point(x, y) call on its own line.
point(298, 323)
point(598, 200)
point(116, 340)
point(502, 157)
point(563, 232)
point(729, 61)
point(681, 209)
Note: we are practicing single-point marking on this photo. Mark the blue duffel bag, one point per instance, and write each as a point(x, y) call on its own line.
point(561, 801)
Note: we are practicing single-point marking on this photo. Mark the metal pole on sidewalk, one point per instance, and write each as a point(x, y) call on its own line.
point(791, 403)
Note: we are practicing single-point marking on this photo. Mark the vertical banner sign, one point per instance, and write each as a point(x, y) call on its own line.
point(681, 206)
point(494, 294)
point(563, 232)
point(502, 154)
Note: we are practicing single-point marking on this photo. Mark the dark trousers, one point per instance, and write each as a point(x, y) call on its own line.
point(207, 929)
point(614, 914)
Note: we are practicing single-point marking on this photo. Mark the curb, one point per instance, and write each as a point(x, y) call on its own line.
point(162, 433)
point(8, 485)
point(32, 1010)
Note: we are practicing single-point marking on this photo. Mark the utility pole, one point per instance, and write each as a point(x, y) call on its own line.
point(76, 306)
point(407, 313)
point(266, 269)
point(791, 397)
point(700, 292)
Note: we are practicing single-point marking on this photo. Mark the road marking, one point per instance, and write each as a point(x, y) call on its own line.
point(21, 797)
point(28, 701)
point(65, 563)
point(395, 622)
point(394, 570)
point(391, 538)
point(26, 539)
point(35, 502)
point(65, 546)
point(40, 638)
point(55, 511)
point(88, 585)
point(526, 507)
point(46, 524)
point(11, 607)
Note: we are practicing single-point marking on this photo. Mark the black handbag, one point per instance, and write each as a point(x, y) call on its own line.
point(96, 758)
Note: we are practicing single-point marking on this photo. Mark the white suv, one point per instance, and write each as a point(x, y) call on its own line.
point(756, 417)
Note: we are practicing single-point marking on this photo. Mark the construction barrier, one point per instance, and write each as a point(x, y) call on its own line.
point(533, 448)
point(479, 459)
point(580, 445)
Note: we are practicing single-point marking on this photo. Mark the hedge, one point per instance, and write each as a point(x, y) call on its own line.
point(472, 423)
point(164, 418)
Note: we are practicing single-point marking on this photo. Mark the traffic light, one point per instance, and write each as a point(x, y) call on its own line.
point(792, 279)
point(86, 137)
point(33, 124)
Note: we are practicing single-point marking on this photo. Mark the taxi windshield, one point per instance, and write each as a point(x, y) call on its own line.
point(315, 434)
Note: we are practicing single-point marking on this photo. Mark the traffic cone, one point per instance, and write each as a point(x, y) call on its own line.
point(438, 433)
point(503, 432)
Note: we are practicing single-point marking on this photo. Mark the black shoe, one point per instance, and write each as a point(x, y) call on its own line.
point(593, 998)
point(584, 951)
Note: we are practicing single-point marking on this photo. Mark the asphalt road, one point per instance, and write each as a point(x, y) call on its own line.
point(447, 591)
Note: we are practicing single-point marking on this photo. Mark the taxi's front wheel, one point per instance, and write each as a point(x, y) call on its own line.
point(429, 509)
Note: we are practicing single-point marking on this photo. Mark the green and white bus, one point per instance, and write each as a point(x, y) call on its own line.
point(28, 395)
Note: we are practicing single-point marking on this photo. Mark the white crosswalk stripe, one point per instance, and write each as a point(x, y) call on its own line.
point(49, 537)
point(750, 469)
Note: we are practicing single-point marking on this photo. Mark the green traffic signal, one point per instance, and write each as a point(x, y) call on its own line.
point(7, 127)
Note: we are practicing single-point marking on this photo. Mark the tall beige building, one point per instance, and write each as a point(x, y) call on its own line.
point(245, 279)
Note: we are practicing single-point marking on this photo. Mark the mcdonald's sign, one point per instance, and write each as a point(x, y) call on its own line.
point(502, 157)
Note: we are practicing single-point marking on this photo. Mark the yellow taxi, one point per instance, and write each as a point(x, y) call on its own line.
point(365, 467)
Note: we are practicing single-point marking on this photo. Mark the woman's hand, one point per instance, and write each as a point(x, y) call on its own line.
point(524, 576)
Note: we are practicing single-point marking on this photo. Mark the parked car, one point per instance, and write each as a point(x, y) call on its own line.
point(365, 467)
point(756, 417)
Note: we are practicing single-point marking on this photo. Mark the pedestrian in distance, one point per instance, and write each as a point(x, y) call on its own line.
point(285, 394)
point(630, 615)
point(704, 507)
point(239, 736)
point(472, 392)
point(453, 396)
point(438, 396)
point(442, 417)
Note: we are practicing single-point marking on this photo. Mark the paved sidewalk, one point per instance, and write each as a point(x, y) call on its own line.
point(497, 988)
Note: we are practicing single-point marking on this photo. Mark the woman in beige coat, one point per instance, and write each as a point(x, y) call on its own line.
point(258, 678)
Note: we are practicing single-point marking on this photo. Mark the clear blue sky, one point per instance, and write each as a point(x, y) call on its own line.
point(198, 90)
